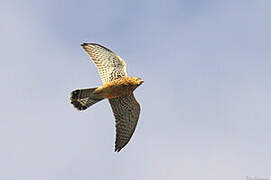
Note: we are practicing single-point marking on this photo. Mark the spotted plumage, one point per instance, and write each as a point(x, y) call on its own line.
point(117, 88)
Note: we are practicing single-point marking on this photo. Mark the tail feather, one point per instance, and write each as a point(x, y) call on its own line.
point(84, 98)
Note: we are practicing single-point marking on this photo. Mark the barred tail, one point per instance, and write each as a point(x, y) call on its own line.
point(84, 98)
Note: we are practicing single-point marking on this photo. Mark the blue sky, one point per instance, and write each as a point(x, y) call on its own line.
point(205, 101)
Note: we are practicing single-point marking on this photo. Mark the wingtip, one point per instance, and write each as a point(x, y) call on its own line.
point(95, 44)
point(118, 148)
point(84, 44)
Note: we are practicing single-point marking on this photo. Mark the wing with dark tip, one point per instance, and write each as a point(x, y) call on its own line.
point(110, 66)
point(126, 111)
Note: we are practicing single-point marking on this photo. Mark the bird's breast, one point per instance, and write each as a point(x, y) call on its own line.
point(115, 89)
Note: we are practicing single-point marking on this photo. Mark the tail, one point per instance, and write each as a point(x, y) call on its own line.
point(84, 98)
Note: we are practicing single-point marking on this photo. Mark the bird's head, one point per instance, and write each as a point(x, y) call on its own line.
point(134, 81)
point(139, 81)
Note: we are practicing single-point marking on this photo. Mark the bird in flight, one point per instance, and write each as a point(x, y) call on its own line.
point(117, 88)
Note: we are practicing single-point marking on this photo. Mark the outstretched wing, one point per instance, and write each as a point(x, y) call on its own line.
point(126, 111)
point(110, 66)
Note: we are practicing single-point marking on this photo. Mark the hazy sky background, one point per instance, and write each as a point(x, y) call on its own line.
point(205, 101)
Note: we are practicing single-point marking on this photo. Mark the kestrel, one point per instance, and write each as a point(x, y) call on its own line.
point(117, 88)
